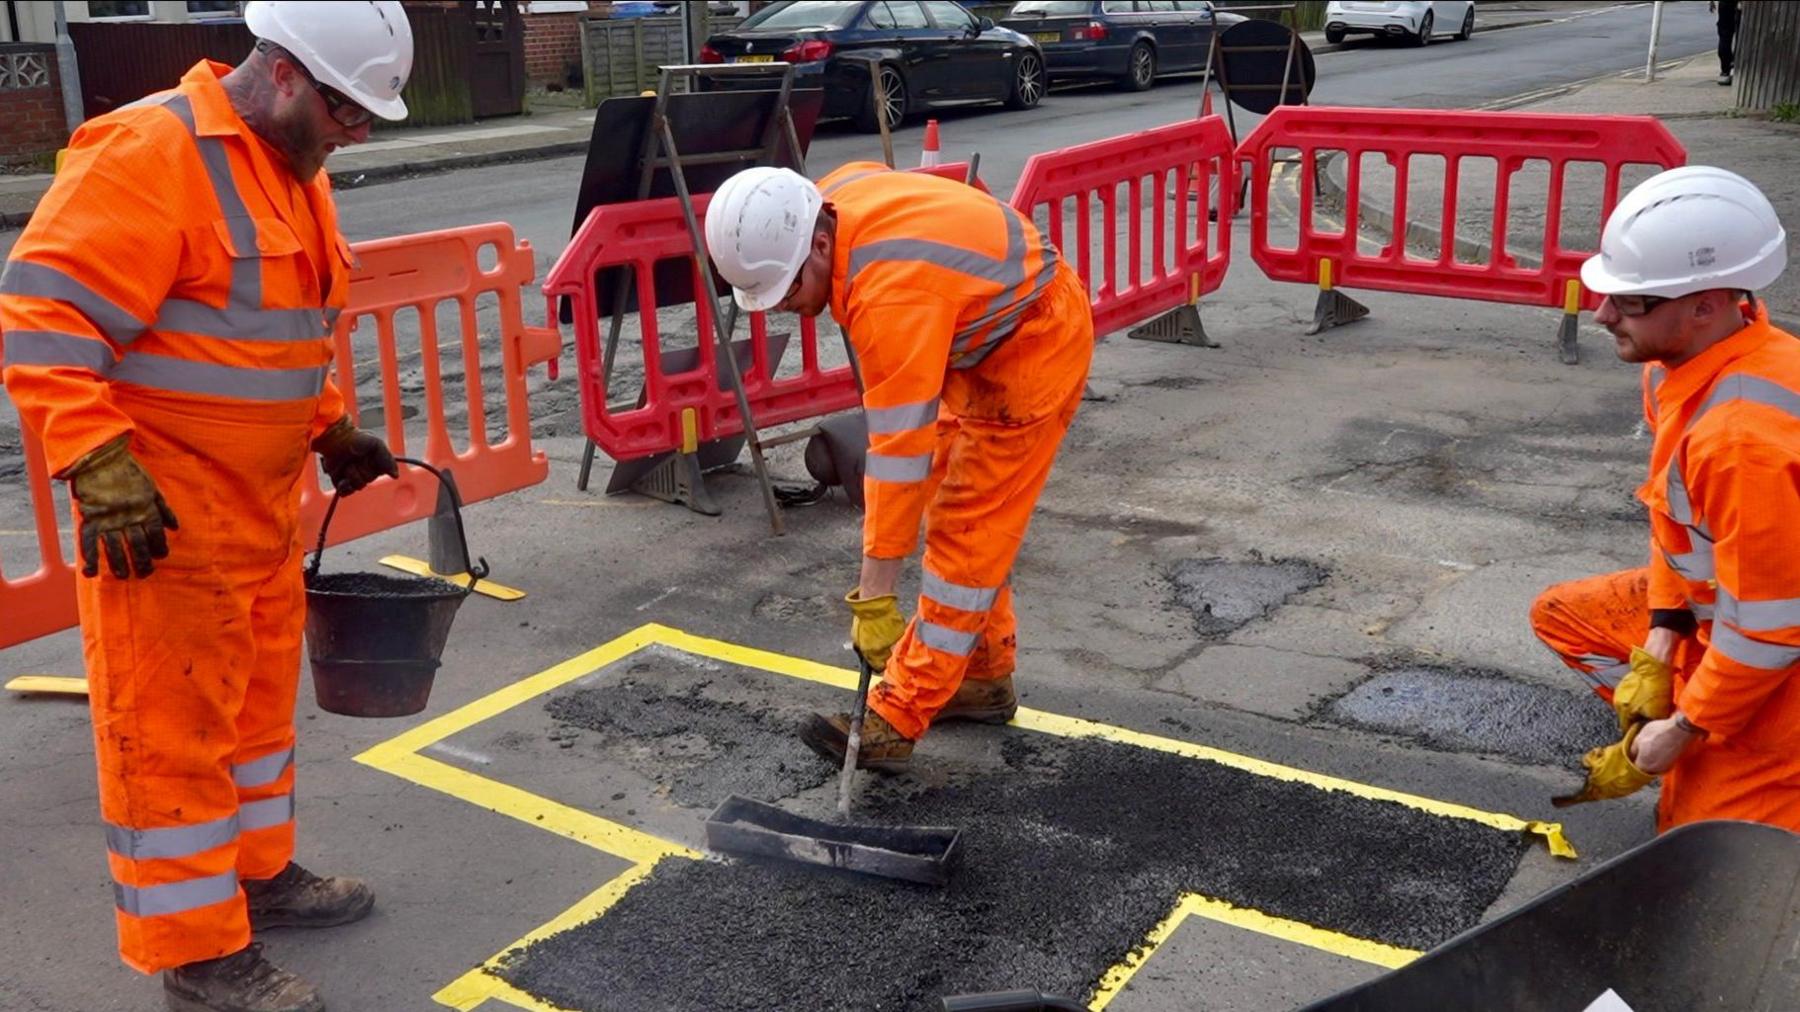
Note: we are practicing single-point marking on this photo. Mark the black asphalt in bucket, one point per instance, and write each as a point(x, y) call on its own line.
point(1072, 852)
point(374, 640)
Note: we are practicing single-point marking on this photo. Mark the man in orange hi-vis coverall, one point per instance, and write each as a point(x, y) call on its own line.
point(1698, 651)
point(974, 340)
point(167, 319)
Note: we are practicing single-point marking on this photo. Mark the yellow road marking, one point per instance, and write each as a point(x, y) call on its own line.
point(1196, 905)
point(401, 757)
point(419, 567)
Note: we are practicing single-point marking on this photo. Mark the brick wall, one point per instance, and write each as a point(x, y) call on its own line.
point(552, 49)
point(31, 111)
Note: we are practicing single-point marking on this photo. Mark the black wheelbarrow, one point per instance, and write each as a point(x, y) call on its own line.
point(1706, 916)
point(375, 639)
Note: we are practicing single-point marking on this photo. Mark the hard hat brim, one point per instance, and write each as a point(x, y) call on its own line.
point(766, 299)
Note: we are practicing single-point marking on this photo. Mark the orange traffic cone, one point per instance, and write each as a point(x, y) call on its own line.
point(930, 156)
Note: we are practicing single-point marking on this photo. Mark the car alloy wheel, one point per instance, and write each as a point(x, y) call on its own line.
point(1143, 67)
point(1424, 36)
point(1468, 25)
point(895, 87)
point(1028, 82)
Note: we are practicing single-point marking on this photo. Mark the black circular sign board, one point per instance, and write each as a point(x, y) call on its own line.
point(1253, 53)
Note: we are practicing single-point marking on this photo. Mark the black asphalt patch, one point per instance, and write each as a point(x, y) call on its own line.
point(1481, 712)
point(1074, 851)
point(1224, 595)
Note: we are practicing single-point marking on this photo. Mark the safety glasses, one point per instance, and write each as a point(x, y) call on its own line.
point(1637, 305)
point(340, 106)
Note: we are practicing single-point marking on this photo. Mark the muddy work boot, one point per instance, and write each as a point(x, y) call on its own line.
point(882, 747)
point(241, 982)
point(988, 701)
point(296, 898)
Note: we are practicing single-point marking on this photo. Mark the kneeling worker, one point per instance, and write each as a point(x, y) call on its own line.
point(974, 340)
point(1698, 650)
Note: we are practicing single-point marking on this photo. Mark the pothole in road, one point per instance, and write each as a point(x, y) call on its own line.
point(1478, 712)
point(1225, 595)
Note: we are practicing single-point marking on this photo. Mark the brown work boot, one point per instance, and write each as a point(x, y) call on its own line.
point(988, 700)
point(296, 898)
point(882, 747)
point(241, 982)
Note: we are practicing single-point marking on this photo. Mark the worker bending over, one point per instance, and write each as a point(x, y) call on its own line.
point(168, 320)
point(1697, 650)
point(974, 338)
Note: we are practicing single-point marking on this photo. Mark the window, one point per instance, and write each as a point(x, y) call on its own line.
point(1119, 7)
point(1157, 6)
point(950, 15)
point(210, 8)
point(897, 14)
point(1194, 6)
point(805, 14)
point(100, 10)
point(1053, 8)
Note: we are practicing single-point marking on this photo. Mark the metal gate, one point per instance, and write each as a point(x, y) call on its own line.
point(498, 77)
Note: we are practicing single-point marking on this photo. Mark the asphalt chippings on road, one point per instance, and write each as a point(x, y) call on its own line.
point(682, 729)
point(1465, 710)
point(1075, 849)
point(1225, 594)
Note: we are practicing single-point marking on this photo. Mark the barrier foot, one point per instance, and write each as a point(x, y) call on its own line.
point(677, 478)
point(587, 466)
point(49, 685)
point(1180, 325)
point(1335, 309)
point(1567, 349)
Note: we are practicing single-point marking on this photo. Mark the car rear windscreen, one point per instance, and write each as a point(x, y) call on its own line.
point(1051, 8)
point(804, 14)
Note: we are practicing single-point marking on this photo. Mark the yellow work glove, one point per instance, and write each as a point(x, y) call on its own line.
point(352, 457)
point(875, 626)
point(120, 510)
point(1647, 692)
point(1611, 773)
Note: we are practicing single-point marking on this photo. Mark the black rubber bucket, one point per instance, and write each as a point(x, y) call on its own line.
point(375, 639)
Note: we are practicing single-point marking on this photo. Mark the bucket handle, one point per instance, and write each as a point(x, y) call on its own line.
point(477, 570)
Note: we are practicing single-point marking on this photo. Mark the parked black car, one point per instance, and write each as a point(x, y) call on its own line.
point(1130, 41)
point(930, 53)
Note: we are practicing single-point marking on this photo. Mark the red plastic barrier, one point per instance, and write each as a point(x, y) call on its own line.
point(639, 235)
point(1143, 276)
point(393, 274)
point(1512, 139)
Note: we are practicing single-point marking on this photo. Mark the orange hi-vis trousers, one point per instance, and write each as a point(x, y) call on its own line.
point(985, 480)
point(1592, 624)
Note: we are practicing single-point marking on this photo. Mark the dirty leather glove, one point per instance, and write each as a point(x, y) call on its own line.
point(1647, 692)
point(875, 626)
point(1611, 773)
point(120, 510)
point(352, 457)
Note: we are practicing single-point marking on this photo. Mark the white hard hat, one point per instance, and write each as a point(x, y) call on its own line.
point(1687, 230)
point(362, 49)
point(759, 230)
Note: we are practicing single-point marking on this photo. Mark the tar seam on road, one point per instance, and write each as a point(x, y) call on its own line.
point(402, 756)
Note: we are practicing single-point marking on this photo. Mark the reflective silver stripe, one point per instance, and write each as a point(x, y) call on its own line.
point(1752, 653)
point(1609, 676)
point(181, 376)
point(1007, 322)
point(1696, 565)
point(1702, 612)
point(955, 595)
point(241, 322)
point(1739, 386)
point(171, 841)
point(950, 641)
point(851, 178)
point(218, 168)
point(904, 418)
point(263, 772)
point(1599, 661)
point(1679, 506)
point(22, 277)
point(886, 468)
point(45, 347)
point(176, 897)
point(1758, 616)
point(268, 812)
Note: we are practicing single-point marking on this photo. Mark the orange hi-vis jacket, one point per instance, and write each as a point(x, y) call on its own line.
point(924, 308)
point(1724, 498)
point(179, 284)
point(136, 278)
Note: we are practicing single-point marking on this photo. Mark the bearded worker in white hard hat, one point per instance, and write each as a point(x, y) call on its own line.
point(168, 319)
point(974, 339)
point(1697, 651)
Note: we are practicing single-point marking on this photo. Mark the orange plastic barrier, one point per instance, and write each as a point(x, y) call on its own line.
point(1511, 140)
point(418, 271)
point(1143, 275)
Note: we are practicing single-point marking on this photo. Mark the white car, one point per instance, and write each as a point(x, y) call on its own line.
point(1418, 22)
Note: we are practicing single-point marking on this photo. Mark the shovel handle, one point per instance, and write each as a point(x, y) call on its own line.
point(854, 745)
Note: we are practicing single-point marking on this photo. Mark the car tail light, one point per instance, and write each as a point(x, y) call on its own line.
point(1093, 31)
point(807, 52)
point(710, 55)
